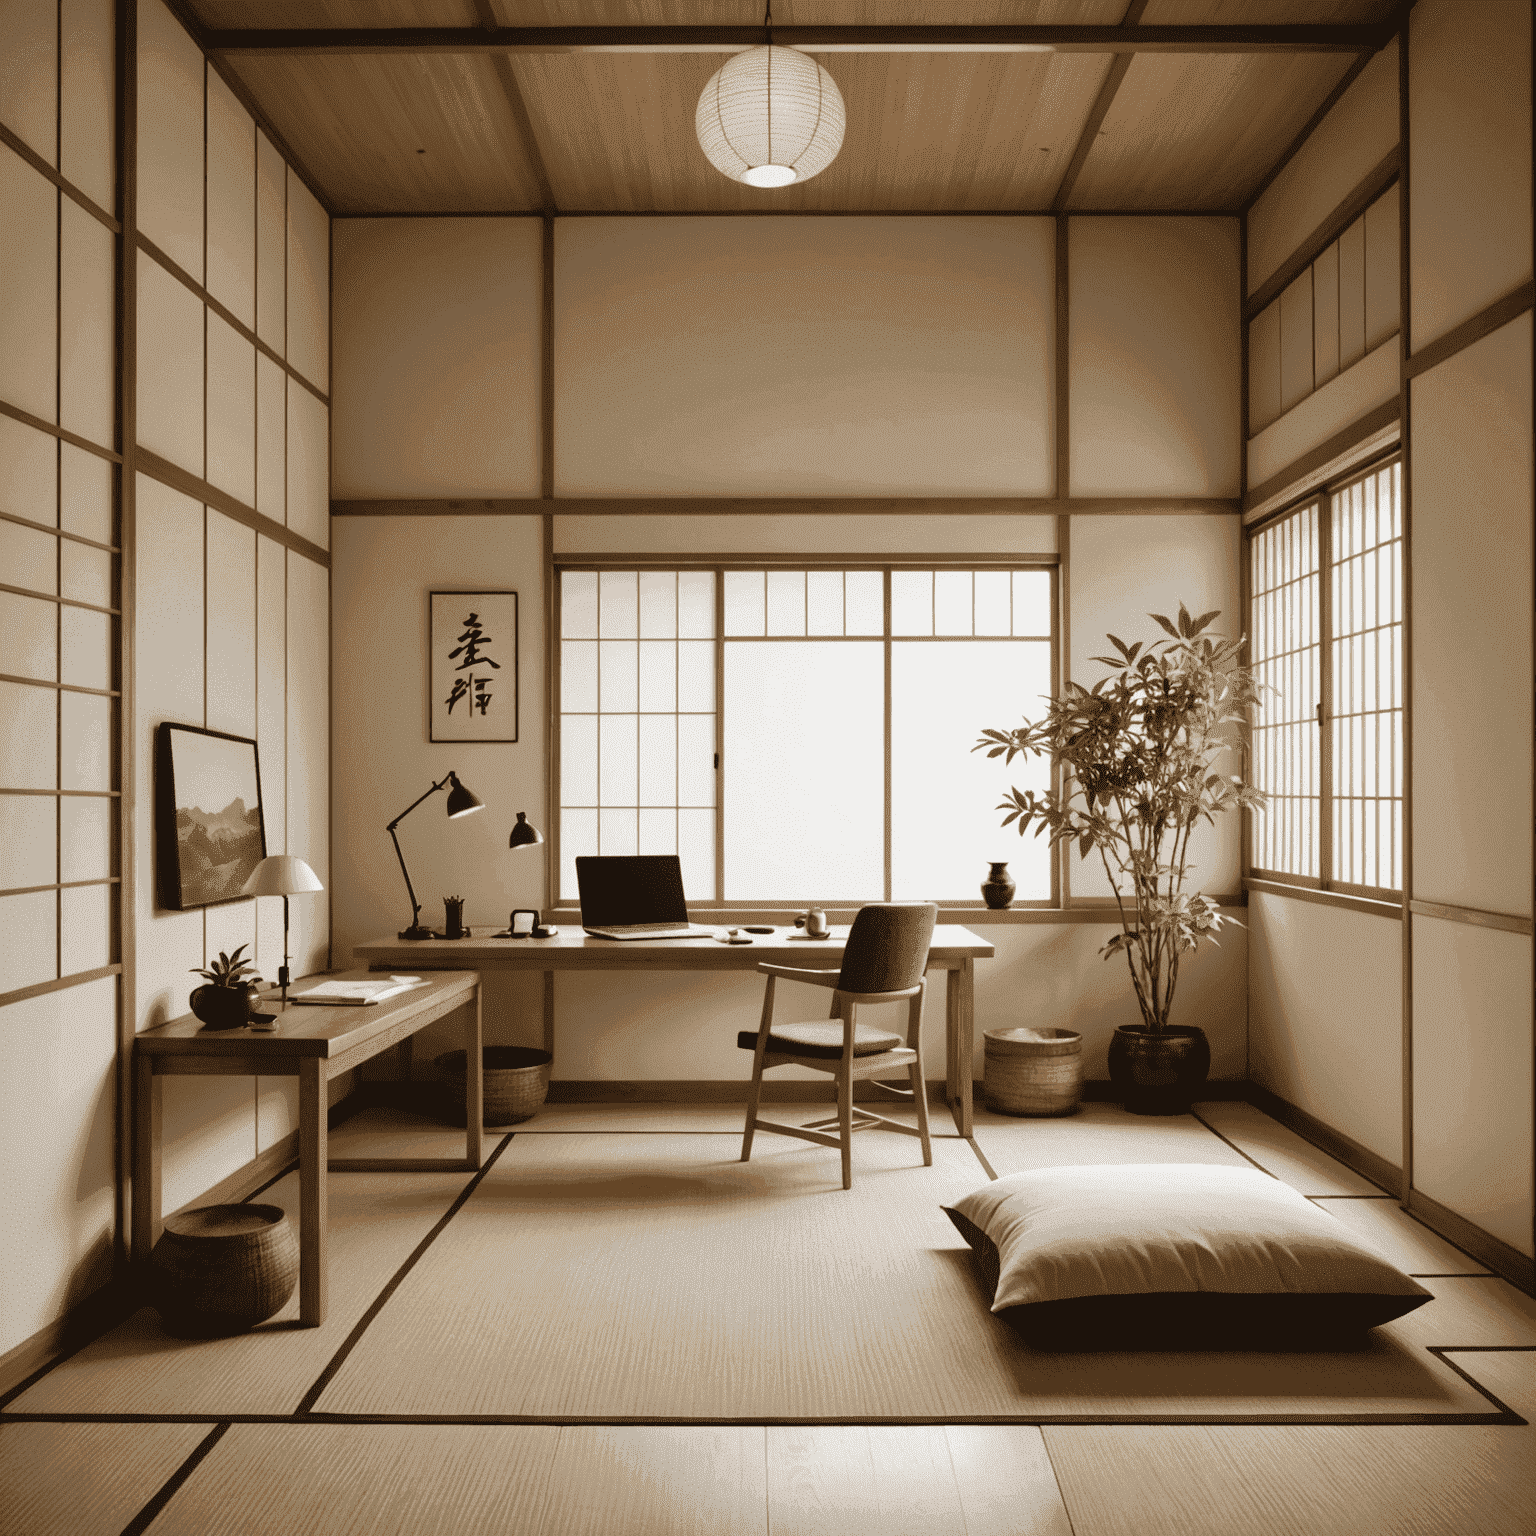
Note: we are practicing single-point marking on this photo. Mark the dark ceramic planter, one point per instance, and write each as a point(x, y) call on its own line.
point(223, 1007)
point(1159, 1074)
point(997, 889)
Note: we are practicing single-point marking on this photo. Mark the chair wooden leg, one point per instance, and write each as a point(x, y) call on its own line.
point(845, 1124)
point(920, 1098)
point(754, 1097)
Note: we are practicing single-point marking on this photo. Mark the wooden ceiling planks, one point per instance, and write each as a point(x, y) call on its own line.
point(804, 13)
point(399, 133)
point(925, 132)
point(223, 15)
point(1266, 13)
point(1199, 131)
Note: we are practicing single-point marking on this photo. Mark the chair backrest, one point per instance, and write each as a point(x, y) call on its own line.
point(887, 947)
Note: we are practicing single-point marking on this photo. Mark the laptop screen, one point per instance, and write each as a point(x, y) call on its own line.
point(633, 888)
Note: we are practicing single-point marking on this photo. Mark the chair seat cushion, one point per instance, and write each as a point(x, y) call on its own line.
point(1148, 1256)
point(823, 1039)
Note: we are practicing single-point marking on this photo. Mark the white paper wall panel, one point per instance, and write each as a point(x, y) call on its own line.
point(28, 841)
point(383, 569)
point(85, 648)
point(1357, 134)
point(1296, 376)
point(29, 744)
point(855, 356)
point(1471, 606)
point(85, 929)
point(168, 686)
point(231, 626)
point(1325, 314)
point(1264, 368)
point(271, 244)
point(208, 1128)
point(309, 753)
point(1352, 294)
point(271, 729)
point(1124, 568)
point(309, 506)
point(1343, 399)
point(231, 411)
point(438, 372)
point(271, 439)
point(170, 138)
point(29, 477)
point(29, 60)
point(795, 533)
point(29, 636)
point(85, 494)
point(31, 951)
point(1472, 1074)
point(1325, 1016)
point(29, 279)
point(1155, 357)
point(30, 557)
point(231, 197)
point(1383, 295)
point(85, 742)
point(309, 285)
point(230, 926)
point(85, 838)
point(87, 325)
point(88, 105)
point(170, 369)
point(56, 1146)
point(1469, 96)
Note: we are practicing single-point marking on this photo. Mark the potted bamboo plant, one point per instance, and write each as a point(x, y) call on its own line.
point(1137, 755)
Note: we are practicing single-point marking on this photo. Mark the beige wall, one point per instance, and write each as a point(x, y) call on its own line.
point(648, 315)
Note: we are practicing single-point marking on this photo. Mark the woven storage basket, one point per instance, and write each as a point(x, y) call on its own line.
point(1033, 1071)
point(223, 1268)
point(514, 1083)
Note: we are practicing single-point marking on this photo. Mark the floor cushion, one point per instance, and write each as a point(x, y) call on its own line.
point(1174, 1255)
point(823, 1040)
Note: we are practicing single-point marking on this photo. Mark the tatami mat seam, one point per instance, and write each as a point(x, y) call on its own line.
point(173, 1484)
point(1221, 1136)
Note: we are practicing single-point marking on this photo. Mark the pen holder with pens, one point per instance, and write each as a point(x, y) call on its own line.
point(453, 926)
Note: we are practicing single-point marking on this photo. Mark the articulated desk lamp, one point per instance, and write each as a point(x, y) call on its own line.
point(281, 874)
point(526, 923)
point(461, 802)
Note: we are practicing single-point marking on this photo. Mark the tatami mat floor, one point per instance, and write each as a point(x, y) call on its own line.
point(142, 1433)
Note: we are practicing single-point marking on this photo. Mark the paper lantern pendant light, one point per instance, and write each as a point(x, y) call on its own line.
point(770, 117)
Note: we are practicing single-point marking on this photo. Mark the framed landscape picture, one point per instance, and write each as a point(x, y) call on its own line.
point(473, 671)
point(209, 834)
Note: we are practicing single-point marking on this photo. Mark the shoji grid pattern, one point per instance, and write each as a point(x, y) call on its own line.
point(1284, 629)
point(60, 689)
point(844, 702)
point(1366, 659)
point(637, 719)
point(1328, 318)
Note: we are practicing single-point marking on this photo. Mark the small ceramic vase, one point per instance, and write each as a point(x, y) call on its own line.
point(814, 921)
point(997, 889)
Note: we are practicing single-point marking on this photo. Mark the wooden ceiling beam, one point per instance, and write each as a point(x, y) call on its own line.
point(528, 139)
point(1098, 112)
point(860, 39)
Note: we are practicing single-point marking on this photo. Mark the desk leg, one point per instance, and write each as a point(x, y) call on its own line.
point(959, 1029)
point(147, 1095)
point(313, 1135)
point(474, 1087)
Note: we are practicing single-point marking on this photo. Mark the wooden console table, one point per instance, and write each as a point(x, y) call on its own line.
point(954, 949)
point(314, 1045)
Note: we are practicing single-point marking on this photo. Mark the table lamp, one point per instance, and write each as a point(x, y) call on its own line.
point(281, 874)
point(461, 802)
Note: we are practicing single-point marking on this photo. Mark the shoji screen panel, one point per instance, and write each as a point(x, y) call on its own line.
point(59, 688)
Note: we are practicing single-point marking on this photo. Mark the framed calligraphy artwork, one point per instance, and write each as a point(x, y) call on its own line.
point(473, 671)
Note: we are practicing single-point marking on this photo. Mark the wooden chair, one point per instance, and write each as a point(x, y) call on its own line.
point(883, 962)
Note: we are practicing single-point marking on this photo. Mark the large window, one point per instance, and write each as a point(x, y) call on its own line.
point(1326, 622)
point(801, 735)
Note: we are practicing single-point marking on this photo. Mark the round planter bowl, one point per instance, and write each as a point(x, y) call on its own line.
point(223, 1007)
point(514, 1083)
point(223, 1268)
point(1159, 1074)
point(1033, 1071)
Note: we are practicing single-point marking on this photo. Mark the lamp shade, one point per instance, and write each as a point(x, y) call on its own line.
point(524, 834)
point(462, 801)
point(769, 117)
point(281, 874)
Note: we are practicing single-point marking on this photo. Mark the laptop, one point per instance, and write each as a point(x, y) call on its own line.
point(634, 896)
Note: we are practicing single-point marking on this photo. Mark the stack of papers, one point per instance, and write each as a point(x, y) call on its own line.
point(354, 994)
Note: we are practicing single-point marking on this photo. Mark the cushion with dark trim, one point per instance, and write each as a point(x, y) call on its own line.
point(823, 1040)
point(1177, 1255)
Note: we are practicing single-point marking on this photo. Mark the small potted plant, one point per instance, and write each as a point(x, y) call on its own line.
point(1137, 754)
point(230, 996)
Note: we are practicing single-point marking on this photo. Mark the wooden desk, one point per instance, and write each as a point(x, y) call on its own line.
point(313, 1045)
point(955, 950)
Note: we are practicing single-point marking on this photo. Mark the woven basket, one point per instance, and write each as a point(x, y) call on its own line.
point(514, 1083)
point(1033, 1071)
point(223, 1268)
